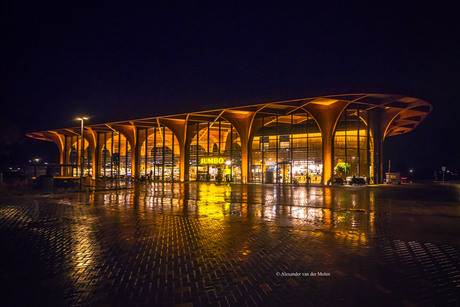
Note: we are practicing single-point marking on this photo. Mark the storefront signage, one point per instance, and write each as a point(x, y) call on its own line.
point(212, 161)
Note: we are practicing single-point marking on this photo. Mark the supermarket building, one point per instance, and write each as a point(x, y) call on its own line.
point(294, 141)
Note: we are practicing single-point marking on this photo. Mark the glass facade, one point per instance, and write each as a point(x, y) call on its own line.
point(72, 156)
point(353, 146)
point(215, 152)
point(287, 149)
point(159, 154)
point(114, 156)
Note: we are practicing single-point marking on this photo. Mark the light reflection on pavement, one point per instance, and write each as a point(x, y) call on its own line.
point(233, 244)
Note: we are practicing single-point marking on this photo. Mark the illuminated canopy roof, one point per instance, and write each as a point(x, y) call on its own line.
point(405, 113)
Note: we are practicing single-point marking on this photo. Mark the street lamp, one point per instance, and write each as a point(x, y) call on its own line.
point(36, 160)
point(81, 119)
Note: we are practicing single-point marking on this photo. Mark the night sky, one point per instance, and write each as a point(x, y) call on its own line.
point(127, 61)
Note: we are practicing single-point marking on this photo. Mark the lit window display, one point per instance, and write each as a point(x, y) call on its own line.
point(354, 146)
point(287, 149)
point(215, 152)
point(159, 154)
point(114, 157)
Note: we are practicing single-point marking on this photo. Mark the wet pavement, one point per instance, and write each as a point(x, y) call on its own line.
point(206, 244)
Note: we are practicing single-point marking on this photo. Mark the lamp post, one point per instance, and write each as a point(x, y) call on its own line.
point(81, 119)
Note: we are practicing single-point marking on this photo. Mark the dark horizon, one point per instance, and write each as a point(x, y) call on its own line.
point(118, 63)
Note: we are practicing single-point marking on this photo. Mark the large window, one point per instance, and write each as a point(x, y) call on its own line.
point(72, 157)
point(114, 157)
point(159, 154)
point(215, 152)
point(353, 146)
point(287, 149)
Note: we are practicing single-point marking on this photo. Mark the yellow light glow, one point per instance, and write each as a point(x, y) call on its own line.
point(324, 101)
point(362, 133)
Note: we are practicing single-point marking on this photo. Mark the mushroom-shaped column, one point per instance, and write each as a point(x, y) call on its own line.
point(183, 134)
point(243, 122)
point(58, 139)
point(90, 136)
point(326, 112)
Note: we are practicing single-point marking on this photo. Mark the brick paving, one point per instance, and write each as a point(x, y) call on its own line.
point(205, 244)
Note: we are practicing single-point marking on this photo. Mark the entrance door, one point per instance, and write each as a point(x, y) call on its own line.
point(283, 172)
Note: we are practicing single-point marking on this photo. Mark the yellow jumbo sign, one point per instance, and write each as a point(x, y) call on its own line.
point(212, 161)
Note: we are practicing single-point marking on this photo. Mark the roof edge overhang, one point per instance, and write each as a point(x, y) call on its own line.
point(409, 113)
